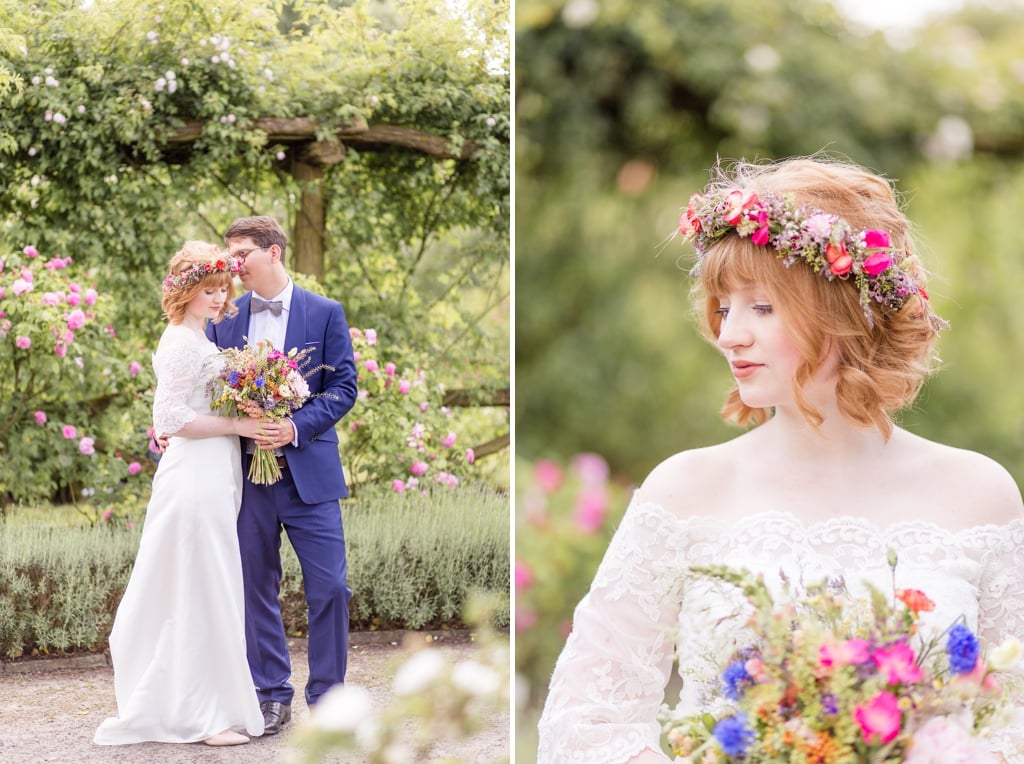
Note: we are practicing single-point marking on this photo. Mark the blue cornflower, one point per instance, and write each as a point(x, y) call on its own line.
point(962, 647)
point(733, 734)
point(233, 379)
point(735, 680)
point(259, 382)
point(830, 704)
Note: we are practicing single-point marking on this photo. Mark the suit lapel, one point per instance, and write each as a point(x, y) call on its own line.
point(241, 323)
point(295, 333)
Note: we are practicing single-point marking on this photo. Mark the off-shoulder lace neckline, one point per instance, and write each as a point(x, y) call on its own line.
point(791, 520)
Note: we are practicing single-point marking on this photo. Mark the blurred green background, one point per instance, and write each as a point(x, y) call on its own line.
point(621, 106)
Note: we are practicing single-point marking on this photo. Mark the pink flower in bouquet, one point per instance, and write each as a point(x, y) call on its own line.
point(849, 652)
point(898, 663)
point(942, 740)
point(86, 446)
point(69, 432)
point(879, 719)
point(40, 417)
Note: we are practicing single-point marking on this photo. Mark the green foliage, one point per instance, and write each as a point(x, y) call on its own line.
point(414, 562)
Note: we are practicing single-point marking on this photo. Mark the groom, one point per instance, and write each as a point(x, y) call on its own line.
point(304, 502)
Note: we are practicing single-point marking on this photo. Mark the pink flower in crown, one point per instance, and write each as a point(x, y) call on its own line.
point(134, 468)
point(69, 432)
point(898, 663)
point(689, 223)
point(819, 225)
point(879, 719)
point(40, 417)
point(875, 239)
point(738, 202)
point(877, 263)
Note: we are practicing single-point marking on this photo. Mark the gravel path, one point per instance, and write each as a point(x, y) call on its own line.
point(49, 710)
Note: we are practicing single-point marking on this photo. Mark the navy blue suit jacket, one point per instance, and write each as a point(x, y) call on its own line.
point(318, 323)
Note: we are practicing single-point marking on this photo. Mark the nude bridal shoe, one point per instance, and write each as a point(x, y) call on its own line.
point(227, 737)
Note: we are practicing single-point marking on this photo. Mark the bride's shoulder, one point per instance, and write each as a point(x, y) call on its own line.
point(691, 480)
point(964, 482)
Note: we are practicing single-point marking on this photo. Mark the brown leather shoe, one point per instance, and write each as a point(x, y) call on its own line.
point(275, 716)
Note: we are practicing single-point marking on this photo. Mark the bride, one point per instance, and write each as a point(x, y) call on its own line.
point(807, 282)
point(178, 644)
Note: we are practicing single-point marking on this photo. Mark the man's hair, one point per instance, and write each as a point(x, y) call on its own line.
point(262, 229)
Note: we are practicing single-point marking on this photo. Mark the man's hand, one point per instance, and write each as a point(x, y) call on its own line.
point(276, 434)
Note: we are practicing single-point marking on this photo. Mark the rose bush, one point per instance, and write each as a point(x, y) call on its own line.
point(399, 431)
point(73, 407)
point(565, 517)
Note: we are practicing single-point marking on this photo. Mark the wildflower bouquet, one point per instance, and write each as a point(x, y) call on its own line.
point(264, 383)
point(833, 681)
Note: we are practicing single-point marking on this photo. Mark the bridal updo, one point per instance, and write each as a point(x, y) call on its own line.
point(198, 265)
point(884, 353)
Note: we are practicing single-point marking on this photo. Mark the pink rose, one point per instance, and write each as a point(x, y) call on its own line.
point(74, 299)
point(40, 417)
point(21, 286)
point(108, 514)
point(404, 386)
point(874, 239)
point(548, 475)
point(761, 236)
point(449, 440)
point(877, 263)
point(592, 468)
point(941, 740)
point(134, 468)
point(69, 432)
point(398, 486)
point(842, 265)
point(134, 368)
point(390, 369)
point(738, 201)
point(50, 298)
point(85, 445)
point(523, 576)
point(418, 469)
point(371, 366)
point(23, 342)
point(76, 319)
point(30, 251)
point(371, 337)
point(879, 718)
point(74, 287)
point(470, 456)
point(90, 297)
point(591, 508)
point(689, 223)
point(60, 349)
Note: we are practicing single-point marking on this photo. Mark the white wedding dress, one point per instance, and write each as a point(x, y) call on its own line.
point(178, 644)
point(642, 612)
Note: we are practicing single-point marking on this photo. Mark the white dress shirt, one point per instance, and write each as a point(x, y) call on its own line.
point(266, 326)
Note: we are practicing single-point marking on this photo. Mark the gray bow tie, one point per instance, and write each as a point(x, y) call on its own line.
point(259, 305)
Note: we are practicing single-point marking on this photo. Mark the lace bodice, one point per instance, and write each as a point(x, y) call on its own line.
point(184, 364)
point(642, 611)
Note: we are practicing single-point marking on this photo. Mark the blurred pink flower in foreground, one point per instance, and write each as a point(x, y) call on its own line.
point(547, 475)
point(591, 509)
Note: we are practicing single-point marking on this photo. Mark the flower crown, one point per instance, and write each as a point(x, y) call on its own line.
point(824, 241)
point(197, 271)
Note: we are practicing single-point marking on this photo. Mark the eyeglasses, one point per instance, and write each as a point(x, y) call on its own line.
point(243, 254)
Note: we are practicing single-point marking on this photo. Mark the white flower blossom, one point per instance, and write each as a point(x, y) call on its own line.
point(419, 672)
point(343, 708)
point(152, 36)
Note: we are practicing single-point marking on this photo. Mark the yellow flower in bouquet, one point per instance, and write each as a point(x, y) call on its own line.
point(263, 383)
point(828, 680)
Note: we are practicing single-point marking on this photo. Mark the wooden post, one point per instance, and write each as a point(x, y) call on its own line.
point(307, 248)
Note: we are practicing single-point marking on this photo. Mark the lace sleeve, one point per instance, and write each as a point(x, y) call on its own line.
point(1001, 616)
point(177, 368)
point(610, 679)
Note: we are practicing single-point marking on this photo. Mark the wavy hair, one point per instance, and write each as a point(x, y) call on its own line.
point(881, 367)
point(174, 303)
